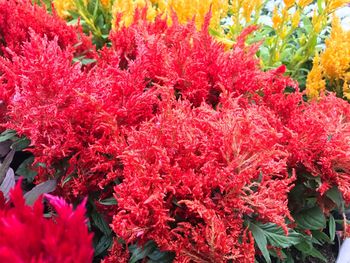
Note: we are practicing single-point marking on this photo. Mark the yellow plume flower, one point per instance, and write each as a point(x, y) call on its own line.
point(317, 22)
point(335, 4)
point(333, 64)
point(248, 7)
point(276, 18)
point(336, 57)
point(296, 19)
point(303, 3)
point(289, 3)
point(315, 82)
point(106, 4)
point(63, 7)
point(185, 10)
point(346, 88)
point(126, 9)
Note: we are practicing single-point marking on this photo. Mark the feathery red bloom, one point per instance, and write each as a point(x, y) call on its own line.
point(63, 111)
point(320, 142)
point(197, 173)
point(192, 62)
point(26, 236)
point(17, 17)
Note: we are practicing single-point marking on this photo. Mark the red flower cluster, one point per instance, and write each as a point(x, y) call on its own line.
point(26, 236)
point(197, 173)
point(44, 90)
point(18, 16)
point(320, 142)
point(192, 139)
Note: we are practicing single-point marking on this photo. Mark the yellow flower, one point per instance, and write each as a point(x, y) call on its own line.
point(303, 3)
point(106, 4)
point(336, 57)
point(296, 18)
point(126, 9)
point(315, 82)
point(333, 64)
point(248, 7)
point(346, 89)
point(276, 18)
point(317, 22)
point(289, 3)
point(185, 10)
point(63, 7)
point(335, 4)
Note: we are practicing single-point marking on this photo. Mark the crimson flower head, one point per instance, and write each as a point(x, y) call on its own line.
point(27, 236)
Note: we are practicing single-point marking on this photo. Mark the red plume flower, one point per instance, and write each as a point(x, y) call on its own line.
point(26, 236)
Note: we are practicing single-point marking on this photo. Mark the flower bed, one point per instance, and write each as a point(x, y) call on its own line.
point(180, 139)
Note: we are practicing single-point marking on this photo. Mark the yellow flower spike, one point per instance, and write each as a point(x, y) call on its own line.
point(276, 18)
point(336, 57)
point(289, 3)
point(346, 89)
point(296, 19)
point(315, 82)
point(317, 22)
point(335, 4)
point(303, 3)
point(106, 4)
point(63, 7)
point(185, 10)
point(248, 7)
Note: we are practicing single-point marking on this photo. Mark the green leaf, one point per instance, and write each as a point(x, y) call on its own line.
point(138, 253)
point(103, 244)
point(319, 6)
point(73, 22)
point(277, 238)
point(8, 183)
point(331, 227)
point(67, 179)
point(6, 164)
point(312, 219)
point(260, 240)
point(7, 135)
point(100, 21)
point(335, 196)
point(20, 144)
point(109, 201)
point(289, 258)
point(214, 33)
point(158, 256)
point(42, 188)
point(304, 247)
point(87, 61)
point(319, 237)
point(264, 53)
point(25, 169)
point(100, 223)
point(317, 254)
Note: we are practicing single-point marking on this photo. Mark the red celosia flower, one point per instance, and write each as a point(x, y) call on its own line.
point(26, 236)
point(63, 111)
point(118, 254)
point(193, 63)
point(18, 16)
point(197, 173)
point(320, 142)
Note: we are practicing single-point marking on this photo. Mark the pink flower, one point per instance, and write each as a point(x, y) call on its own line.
point(27, 236)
